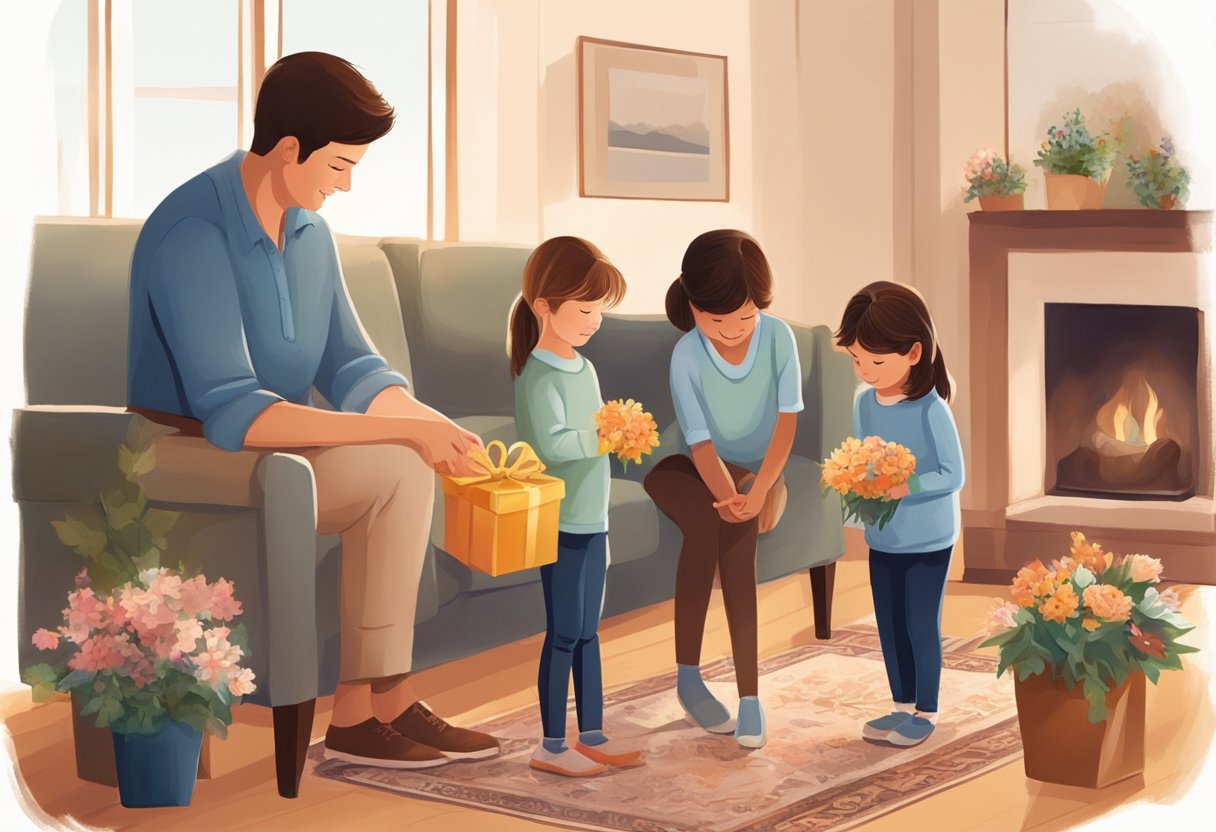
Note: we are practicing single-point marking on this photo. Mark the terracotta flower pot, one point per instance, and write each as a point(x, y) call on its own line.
point(1013, 202)
point(1167, 202)
point(1062, 746)
point(1070, 192)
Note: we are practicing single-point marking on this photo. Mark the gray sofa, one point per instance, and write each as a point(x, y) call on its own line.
point(438, 313)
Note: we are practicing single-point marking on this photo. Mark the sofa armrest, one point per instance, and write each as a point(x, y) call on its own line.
point(63, 454)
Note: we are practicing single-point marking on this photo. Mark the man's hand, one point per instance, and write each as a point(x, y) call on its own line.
point(444, 446)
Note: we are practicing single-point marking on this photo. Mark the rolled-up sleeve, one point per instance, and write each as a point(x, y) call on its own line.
point(351, 373)
point(193, 294)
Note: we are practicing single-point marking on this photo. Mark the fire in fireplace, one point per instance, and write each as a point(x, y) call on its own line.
point(1121, 382)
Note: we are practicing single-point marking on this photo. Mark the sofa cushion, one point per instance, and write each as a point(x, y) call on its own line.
point(77, 313)
point(809, 533)
point(374, 295)
point(456, 321)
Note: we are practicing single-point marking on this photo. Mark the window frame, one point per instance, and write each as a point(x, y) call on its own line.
point(260, 36)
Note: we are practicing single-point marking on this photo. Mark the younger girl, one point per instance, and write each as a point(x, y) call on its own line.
point(889, 333)
point(567, 284)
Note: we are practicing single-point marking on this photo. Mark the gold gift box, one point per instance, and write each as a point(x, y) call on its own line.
point(506, 520)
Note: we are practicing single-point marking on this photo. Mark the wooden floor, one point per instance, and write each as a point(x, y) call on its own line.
point(242, 795)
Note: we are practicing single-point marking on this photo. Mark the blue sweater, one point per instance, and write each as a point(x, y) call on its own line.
point(928, 519)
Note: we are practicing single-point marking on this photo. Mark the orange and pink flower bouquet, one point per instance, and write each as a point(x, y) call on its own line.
point(157, 648)
point(1090, 618)
point(625, 429)
point(862, 471)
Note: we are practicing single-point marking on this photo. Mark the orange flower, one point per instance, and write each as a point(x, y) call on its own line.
point(1108, 602)
point(1147, 643)
point(1033, 581)
point(1091, 624)
point(626, 430)
point(1089, 555)
point(868, 467)
point(1060, 606)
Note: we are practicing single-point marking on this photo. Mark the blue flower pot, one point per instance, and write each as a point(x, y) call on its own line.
point(157, 769)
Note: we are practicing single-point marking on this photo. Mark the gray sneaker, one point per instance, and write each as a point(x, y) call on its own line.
point(911, 732)
point(881, 728)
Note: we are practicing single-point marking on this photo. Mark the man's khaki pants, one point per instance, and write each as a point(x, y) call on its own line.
point(379, 499)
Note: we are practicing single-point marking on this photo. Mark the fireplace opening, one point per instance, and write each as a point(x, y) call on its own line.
point(1122, 417)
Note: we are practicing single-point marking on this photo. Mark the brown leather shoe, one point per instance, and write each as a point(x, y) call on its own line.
point(419, 724)
point(372, 743)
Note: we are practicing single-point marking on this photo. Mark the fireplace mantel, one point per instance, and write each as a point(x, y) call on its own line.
point(1000, 537)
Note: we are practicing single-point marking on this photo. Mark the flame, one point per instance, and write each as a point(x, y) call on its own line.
point(1117, 417)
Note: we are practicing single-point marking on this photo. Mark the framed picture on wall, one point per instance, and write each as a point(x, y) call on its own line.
point(653, 123)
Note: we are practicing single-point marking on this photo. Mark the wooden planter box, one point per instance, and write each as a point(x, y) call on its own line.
point(1062, 746)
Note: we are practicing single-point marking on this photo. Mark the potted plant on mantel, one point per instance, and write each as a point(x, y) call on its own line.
point(1081, 637)
point(1156, 179)
point(998, 185)
point(1076, 164)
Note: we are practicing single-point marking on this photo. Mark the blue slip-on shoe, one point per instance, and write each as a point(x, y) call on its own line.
point(749, 727)
point(701, 706)
point(878, 729)
point(911, 732)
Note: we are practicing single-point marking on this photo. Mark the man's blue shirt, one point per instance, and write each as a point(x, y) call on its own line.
point(223, 324)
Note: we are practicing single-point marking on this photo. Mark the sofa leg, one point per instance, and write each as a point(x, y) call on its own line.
point(292, 730)
point(823, 582)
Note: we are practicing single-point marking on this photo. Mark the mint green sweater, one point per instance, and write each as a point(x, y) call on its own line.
point(556, 400)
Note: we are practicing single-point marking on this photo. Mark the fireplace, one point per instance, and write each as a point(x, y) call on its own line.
point(1121, 400)
point(1090, 388)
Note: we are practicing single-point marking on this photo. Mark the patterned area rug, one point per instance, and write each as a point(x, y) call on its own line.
point(815, 774)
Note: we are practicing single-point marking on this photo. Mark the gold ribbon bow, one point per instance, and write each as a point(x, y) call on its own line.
point(525, 463)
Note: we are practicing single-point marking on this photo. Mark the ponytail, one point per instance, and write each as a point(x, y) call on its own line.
point(679, 310)
point(941, 379)
point(522, 335)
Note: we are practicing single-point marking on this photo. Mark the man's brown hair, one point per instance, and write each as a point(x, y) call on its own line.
point(318, 98)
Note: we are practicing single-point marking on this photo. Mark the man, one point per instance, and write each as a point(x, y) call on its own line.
point(238, 309)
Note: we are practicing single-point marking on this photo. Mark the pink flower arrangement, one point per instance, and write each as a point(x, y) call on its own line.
point(152, 634)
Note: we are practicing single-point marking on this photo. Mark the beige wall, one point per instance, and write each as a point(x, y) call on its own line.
point(518, 131)
point(958, 105)
point(1114, 60)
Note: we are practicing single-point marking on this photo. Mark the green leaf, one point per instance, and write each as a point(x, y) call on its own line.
point(135, 463)
point(42, 680)
point(160, 522)
point(1081, 578)
point(83, 535)
point(120, 513)
point(77, 678)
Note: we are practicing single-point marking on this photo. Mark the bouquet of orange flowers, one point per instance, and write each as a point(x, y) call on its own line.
point(626, 430)
point(862, 471)
point(1090, 618)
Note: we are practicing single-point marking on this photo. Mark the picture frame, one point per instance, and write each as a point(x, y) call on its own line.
point(653, 123)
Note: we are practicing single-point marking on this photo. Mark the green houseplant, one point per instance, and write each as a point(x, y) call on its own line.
point(1157, 179)
point(1081, 638)
point(997, 184)
point(1076, 164)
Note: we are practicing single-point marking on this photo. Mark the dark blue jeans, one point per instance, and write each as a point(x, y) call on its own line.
point(574, 599)
point(908, 592)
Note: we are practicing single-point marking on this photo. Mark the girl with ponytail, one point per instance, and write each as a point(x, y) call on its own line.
point(737, 389)
point(566, 287)
point(888, 331)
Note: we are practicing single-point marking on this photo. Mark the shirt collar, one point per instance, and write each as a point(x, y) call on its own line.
point(243, 225)
point(569, 365)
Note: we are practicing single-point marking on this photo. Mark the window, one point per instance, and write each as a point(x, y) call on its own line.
point(388, 190)
point(148, 93)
